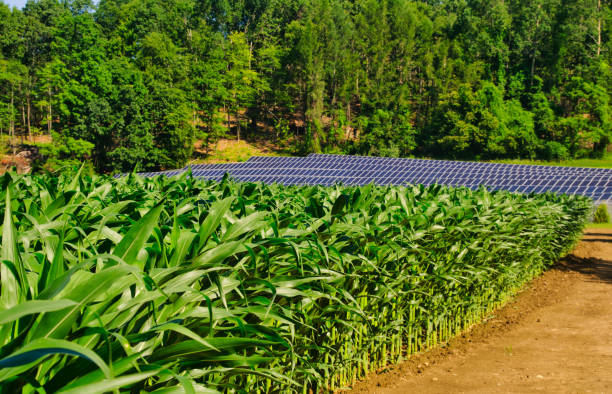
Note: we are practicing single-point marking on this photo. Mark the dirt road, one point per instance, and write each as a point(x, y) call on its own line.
point(556, 337)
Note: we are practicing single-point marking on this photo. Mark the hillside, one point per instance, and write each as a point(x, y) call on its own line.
point(127, 84)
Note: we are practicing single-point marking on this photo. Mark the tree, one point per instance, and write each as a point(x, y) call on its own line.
point(481, 123)
point(241, 80)
point(50, 81)
point(531, 34)
point(143, 79)
point(586, 125)
point(207, 79)
point(12, 75)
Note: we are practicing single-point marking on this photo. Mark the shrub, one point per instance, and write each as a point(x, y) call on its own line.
point(64, 153)
point(553, 150)
point(601, 214)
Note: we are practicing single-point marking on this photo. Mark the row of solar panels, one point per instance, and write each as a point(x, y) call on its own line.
point(333, 161)
point(359, 170)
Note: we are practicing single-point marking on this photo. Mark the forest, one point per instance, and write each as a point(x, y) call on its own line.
point(133, 84)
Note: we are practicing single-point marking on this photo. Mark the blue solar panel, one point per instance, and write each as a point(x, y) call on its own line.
point(359, 170)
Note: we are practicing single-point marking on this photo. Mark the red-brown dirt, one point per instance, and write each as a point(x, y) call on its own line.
point(555, 337)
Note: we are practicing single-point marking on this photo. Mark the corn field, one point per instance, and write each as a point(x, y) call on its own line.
point(182, 285)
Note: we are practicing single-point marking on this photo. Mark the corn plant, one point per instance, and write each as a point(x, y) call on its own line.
point(184, 285)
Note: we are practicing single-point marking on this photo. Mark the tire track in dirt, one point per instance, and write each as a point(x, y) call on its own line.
point(555, 337)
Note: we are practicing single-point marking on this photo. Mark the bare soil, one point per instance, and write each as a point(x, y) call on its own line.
point(555, 337)
point(26, 151)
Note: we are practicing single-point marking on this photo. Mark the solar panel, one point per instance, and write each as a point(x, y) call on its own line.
point(359, 170)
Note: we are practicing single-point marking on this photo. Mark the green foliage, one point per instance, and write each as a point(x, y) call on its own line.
point(483, 124)
point(601, 214)
point(554, 151)
point(177, 284)
point(64, 153)
point(387, 133)
point(142, 80)
point(587, 127)
point(242, 82)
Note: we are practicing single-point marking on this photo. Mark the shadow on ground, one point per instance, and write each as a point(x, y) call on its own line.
point(598, 269)
point(593, 243)
point(590, 234)
point(608, 240)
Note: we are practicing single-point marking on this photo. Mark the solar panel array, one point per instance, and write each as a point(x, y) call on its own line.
point(324, 169)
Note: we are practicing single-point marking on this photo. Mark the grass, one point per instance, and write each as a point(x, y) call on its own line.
point(233, 151)
point(599, 226)
point(605, 162)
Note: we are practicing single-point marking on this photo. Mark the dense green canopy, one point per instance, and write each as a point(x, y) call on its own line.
point(140, 80)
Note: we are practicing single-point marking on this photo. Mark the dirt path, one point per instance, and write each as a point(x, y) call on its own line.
point(556, 337)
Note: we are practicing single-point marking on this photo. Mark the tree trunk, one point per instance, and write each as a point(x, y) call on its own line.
point(237, 117)
point(333, 87)
point(12, 120)
point(229, 125)
point(533, 48)
point(29, 102)
point(237, 126)
point(23, 121)
point(347, 132)
point(598, 27)
point(49, 114)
